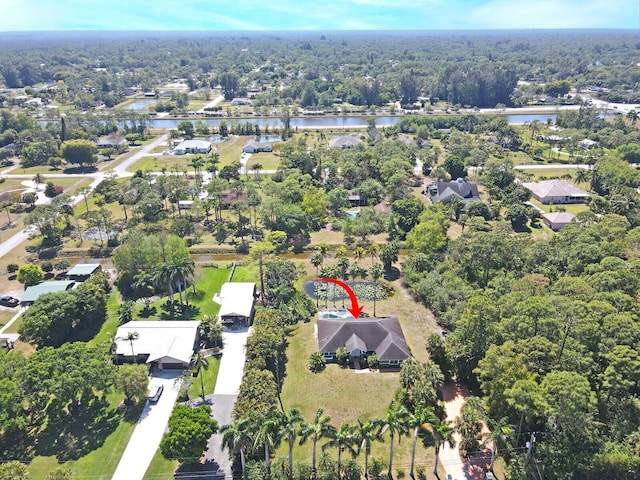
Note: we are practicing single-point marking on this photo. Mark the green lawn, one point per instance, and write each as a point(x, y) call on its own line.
point(268, 160)
point(209, 376)
point(156, 163)
point(549, 173)
point(209, 280)
point(111, 324)
point(574, 208)
point(161, 468)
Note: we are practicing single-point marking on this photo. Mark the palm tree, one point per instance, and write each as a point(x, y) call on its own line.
point(376, 272)
point(315, 430)
point(266, 436)
point(442, 432)
point(501, 431)
point(317, 260)
point(257, 167)
point(200, 362)
point(38, 179)
point(143, 284)
point(125, 312)
point(469, 424)
point(366, 433)
point(373, 250)
point(343, 439)
point(183, 268)
point(420, 417)
point(394, 422)
point(534, 127)
point(131, 337)
point(237, 439)
point(359, 253)
point(343, 264)
point(289, 430)
point(197, 162)
point(581, 176)
point(164, 274)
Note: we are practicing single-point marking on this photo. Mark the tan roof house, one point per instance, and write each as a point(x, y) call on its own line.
point(556, 191)
point(557, 220)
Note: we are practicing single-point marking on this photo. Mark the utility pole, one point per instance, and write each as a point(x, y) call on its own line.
point(530, 464)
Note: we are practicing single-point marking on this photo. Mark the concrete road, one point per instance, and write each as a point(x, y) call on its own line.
point(146, 437)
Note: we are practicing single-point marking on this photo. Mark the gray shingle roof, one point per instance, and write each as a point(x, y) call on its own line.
point(381, 335)
point(348, 141)
point(444, 191)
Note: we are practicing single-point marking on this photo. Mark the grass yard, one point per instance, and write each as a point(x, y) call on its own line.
point(209, 280)
point(268, 160)
point(161, 468)
point(209, 377)
point(6, 315)
point(101, 462)
point(574, 208)
point(560, 172)
point(156, 163)
point(109, 327)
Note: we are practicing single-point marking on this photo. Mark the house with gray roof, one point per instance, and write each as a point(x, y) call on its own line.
point(443, 192)
point(192, 146)
point(557, 220)
point(363, 337)
point(556, 191)
point(253, 146)
point(347, 141)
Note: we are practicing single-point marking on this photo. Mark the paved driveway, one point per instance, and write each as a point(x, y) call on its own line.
point(151, 426)
point(232, 362)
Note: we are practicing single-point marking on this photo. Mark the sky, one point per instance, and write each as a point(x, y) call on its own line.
point(32, 15)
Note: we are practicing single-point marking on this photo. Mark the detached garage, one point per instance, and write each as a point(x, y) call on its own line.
point(163, 344)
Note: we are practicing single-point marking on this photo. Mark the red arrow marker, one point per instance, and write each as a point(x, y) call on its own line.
point(355, 309)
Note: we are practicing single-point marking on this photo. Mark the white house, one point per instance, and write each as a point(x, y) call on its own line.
point(557, 220)
point(556, 191)
point(192, 146)
point(166, 344)
point(237, 300)
point(347, 141)
point(253, 146)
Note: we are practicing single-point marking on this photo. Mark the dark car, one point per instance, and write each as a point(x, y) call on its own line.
point(9, 301)
point(155, 392)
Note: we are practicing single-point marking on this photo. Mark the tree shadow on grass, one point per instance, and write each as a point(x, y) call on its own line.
point(71, 436)
point(176, 311)
point(147, 312)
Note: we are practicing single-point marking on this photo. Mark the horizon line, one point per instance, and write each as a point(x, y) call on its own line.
point(285, 30)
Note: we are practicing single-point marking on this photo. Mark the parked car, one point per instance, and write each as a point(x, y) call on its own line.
point(9, 301)
point(154, 392)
